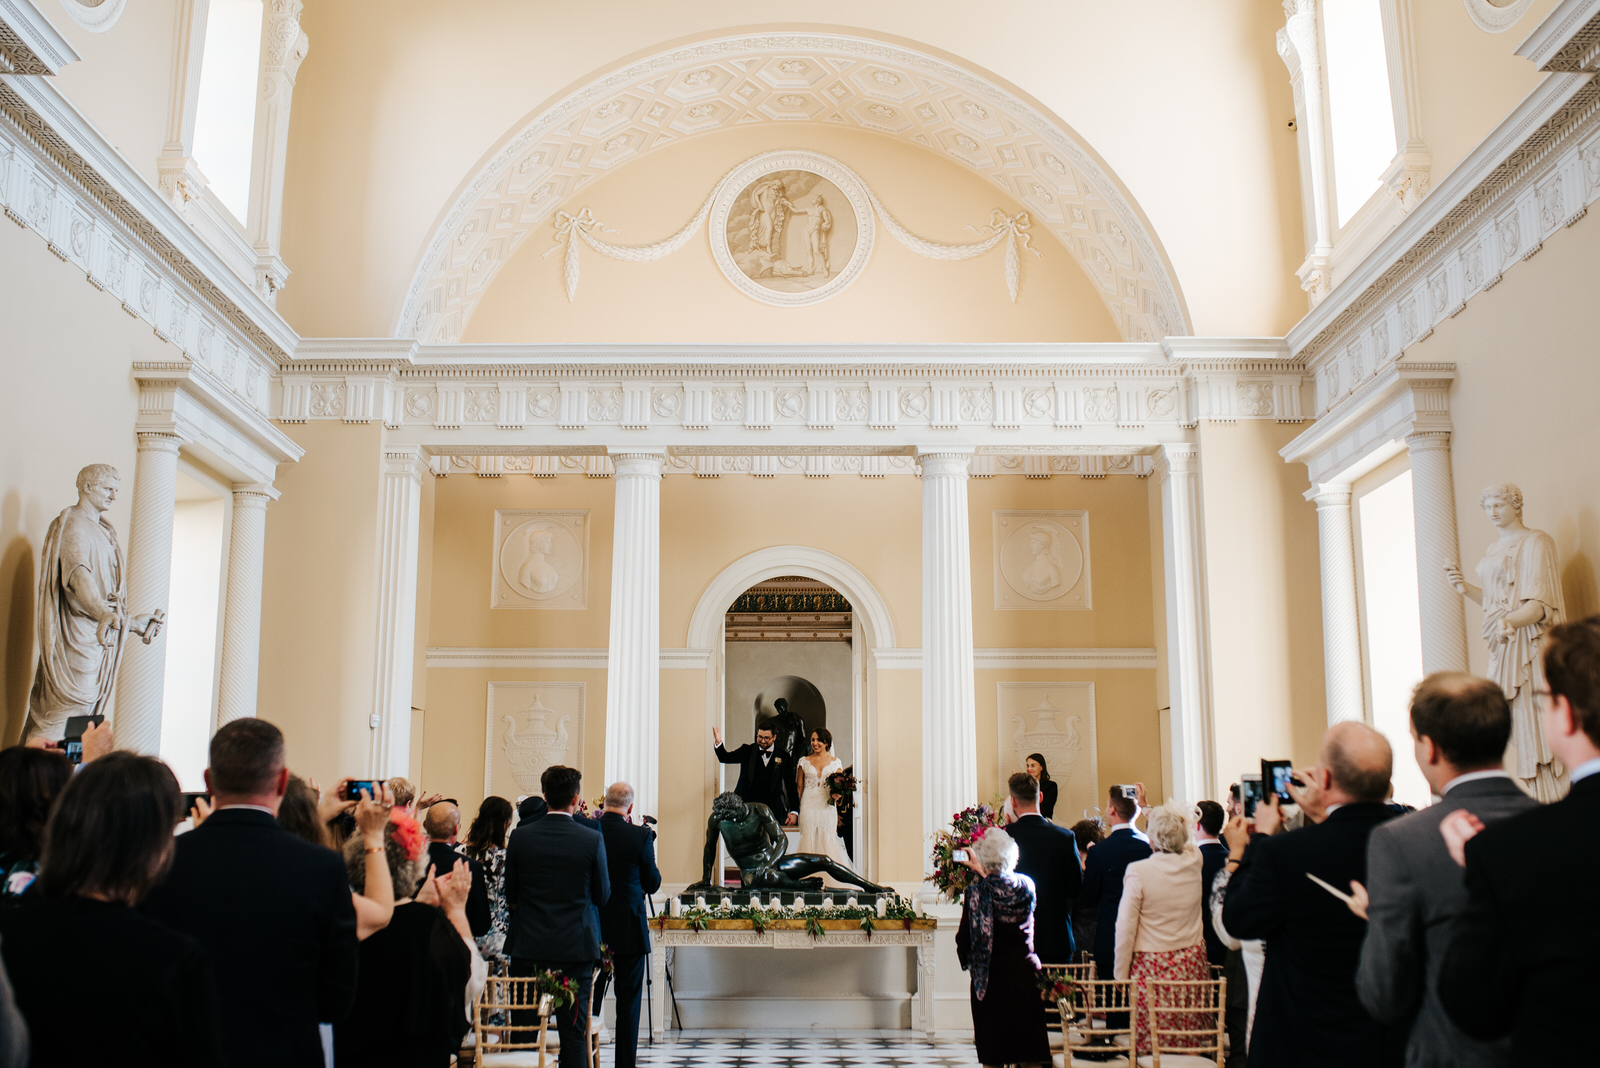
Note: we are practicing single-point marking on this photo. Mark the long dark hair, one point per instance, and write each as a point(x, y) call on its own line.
point(111, 831)
point(297, 814)
point(1044, 769)
point(30, 779)
point(489, 826)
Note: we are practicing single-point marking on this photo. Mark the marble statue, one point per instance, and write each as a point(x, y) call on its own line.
point(759, 847)
point(83, 616)
point(537, 573)
point(1521, 599)
point(1043, 575)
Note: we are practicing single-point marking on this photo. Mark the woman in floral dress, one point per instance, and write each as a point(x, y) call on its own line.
point(486, 844)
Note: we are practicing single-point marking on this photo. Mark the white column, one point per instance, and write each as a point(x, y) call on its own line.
point(1188, 642)
point(283, 48)
point(633, 678)
point(142, 677)
point(400, 523)
point(1341, 635)
point(1301, 51)
point(1433, 503)
point(241, 629)
point(949, 714)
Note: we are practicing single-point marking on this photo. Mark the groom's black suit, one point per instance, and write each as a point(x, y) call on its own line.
point(761, 781)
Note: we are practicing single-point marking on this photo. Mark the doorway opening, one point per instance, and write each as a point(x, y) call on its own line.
point(194, 612)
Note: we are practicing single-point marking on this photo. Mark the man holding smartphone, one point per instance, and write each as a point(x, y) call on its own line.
point(1103, 871)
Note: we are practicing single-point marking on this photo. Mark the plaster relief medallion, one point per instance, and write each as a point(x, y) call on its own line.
point(791, 228)
point(541, 559)
point(1041, 559)
point(531, 726)
point(1054, 720)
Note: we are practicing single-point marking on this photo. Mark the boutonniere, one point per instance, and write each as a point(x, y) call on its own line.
point(777, 760)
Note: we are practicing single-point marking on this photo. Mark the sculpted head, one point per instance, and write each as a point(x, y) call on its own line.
point(540, 540)
point(1039, 541)
point(729, 808)
point(97, 485)
point(1502, 502)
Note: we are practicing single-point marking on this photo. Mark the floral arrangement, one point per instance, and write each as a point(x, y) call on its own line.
point(967, 826)
point(558, 986)
point(406, 833)
point(761, 916)
point(842, 792)
point(1054, 990)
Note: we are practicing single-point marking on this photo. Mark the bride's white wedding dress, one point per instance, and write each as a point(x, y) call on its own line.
point(819, 820)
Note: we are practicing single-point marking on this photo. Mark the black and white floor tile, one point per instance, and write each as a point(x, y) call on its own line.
point(805, 1049)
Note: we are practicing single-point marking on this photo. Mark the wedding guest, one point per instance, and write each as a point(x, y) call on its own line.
point(410, 1005)
point(486, 845)
point(531, 810)
point(631, 866)
point(1208, 821)
point(14, 1049)
point(1103, 871)
point(1048, 856)
point(298, 814)
point(30, 779)
point(1521, 962)
point(1087, 833)
point(302, 815)
point(404, 793)
point(443, 824)
point(1246, 957)
point(995, 946)
point(1159, 932)
point(108, 842)
point(293, 963)
point(1048, 790)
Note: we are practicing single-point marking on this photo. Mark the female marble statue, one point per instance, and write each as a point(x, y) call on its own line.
point(1521, 599)
point(537, 573)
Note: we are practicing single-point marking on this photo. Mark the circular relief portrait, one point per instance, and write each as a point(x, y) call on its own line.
point(541, 559)
point(1041, 560)
point(791, 228)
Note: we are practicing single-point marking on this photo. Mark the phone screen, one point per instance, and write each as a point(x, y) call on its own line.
point(1275, 776)
point(1250, 792)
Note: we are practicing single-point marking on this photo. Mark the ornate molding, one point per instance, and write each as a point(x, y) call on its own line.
point(1371, 424)
point(1567, 40)
point(760, 78)
point(97, 17)
point(187, 401)
point(29, 44)
point(1496, 18)
point(1029, 659)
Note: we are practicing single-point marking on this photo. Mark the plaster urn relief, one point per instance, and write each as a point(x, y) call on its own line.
point(1056, 721)
point(531, 726)
point(541, 559)
point(1041, 560)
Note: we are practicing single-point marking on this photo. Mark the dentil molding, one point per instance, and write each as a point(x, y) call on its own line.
point(29, 44)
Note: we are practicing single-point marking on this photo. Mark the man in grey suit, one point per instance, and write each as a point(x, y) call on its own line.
point(1460, 725)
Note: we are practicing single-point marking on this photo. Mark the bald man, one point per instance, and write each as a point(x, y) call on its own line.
point(1307, 1013)
point(442, 825)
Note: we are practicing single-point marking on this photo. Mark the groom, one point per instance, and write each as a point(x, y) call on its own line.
point(764, 771)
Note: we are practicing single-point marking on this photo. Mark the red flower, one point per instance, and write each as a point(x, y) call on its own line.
point(407, 834)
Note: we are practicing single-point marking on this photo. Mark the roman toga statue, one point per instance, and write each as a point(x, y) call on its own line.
point(82, 610)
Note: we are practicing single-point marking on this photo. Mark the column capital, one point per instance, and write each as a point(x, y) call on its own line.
point(406, 461)
point(1428, 440)
point(637, 463)
point(253, 494)
point(1179, 457)
point(1329, 495)
point(945, 461)
point(160, 441)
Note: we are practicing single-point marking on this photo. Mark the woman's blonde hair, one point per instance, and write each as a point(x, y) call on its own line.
point(1169, 828)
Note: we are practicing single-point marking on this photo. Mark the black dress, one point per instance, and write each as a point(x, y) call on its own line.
point(1048, 792)
point(1008, 1022)
point(100, 984)
point(410, 1009)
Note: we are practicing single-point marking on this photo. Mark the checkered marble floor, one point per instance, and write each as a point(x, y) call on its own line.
point(813, 1048)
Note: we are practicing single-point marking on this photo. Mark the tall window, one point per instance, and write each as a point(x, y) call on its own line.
point(225, 118)
point(1359, 113)
point(1391, 618)
point(194, 600)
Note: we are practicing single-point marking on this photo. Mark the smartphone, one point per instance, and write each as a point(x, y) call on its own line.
point(1130, 791)
point(72, 741)
point(352, 789)
point(190, 798)
point(960, 856)
point(1250, 792)
point(1275, 778)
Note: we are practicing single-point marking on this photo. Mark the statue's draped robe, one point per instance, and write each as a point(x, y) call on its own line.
point(1513, 572)
point(76, 672)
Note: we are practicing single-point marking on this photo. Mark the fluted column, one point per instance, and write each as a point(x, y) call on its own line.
point(633, 679)
point(241, 629)
point(1188, 642)
point(1433, 503)
point(141, 679)
point(1341, 634)
point(400, 526)
point(949, 715)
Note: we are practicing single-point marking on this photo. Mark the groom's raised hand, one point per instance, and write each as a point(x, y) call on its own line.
point(716, 737)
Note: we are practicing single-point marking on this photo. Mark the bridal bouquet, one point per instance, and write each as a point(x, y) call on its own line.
point(842, 792)
point(966, 827)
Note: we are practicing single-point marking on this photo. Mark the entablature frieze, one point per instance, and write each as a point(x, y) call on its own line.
point(812, 464)
point(1373, 423)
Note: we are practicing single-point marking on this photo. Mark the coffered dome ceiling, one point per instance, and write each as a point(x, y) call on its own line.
point(960, 114)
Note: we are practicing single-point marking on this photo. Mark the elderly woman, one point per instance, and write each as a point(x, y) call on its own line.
point(1159, 932)
point(995, 944)
point(410, 1008)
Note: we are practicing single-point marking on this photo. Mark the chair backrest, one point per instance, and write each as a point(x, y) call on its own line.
point(1188, 1016)
point(1070, 972)
point(592, 1039)
point(521, 1015)
point(1095, 1005)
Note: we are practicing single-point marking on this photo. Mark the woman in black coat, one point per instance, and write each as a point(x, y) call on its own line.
point(1048, 791)
point(995, 945)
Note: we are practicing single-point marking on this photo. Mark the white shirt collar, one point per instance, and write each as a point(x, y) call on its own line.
point(1474, 776)
point(253, 808)
point(1202, 838)
point(1584, 770)
point(558, 812)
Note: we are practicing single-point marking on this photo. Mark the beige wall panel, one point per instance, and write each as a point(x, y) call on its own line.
point(319, 602)
point(1523, 410)
point(67, 350)
point(1119, 563)
point(1262, 583)
point(1206, 102)
point(686, 790)
point(900, 297)
point(894, 781)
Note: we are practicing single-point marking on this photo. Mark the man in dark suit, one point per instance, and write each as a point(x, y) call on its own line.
point(764, 772)
point(1307, 1013)
point(1414, 891)
point(1522, 957)
point(1209, 818)
point(1102, 875)
point(631, 864)
point(1048, 855)
point(273, 910)
point(556, 881)
point(442, 825)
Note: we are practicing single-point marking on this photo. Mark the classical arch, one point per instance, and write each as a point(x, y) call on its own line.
point(956, 111)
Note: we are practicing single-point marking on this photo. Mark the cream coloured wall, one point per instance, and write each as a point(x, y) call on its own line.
point(900, 297)
point(1202, 97)
point(61, 333)
point(1262, 578)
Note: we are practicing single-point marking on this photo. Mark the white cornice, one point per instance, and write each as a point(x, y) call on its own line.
point(1405, 398)
point(560, 659)
point(1029, 659)
point(29, 44)
point(1567, 40)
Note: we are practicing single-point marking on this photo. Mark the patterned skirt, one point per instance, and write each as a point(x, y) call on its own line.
point(1174, 964)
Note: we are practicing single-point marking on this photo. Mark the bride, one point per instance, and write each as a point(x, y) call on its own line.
point(819, 820)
